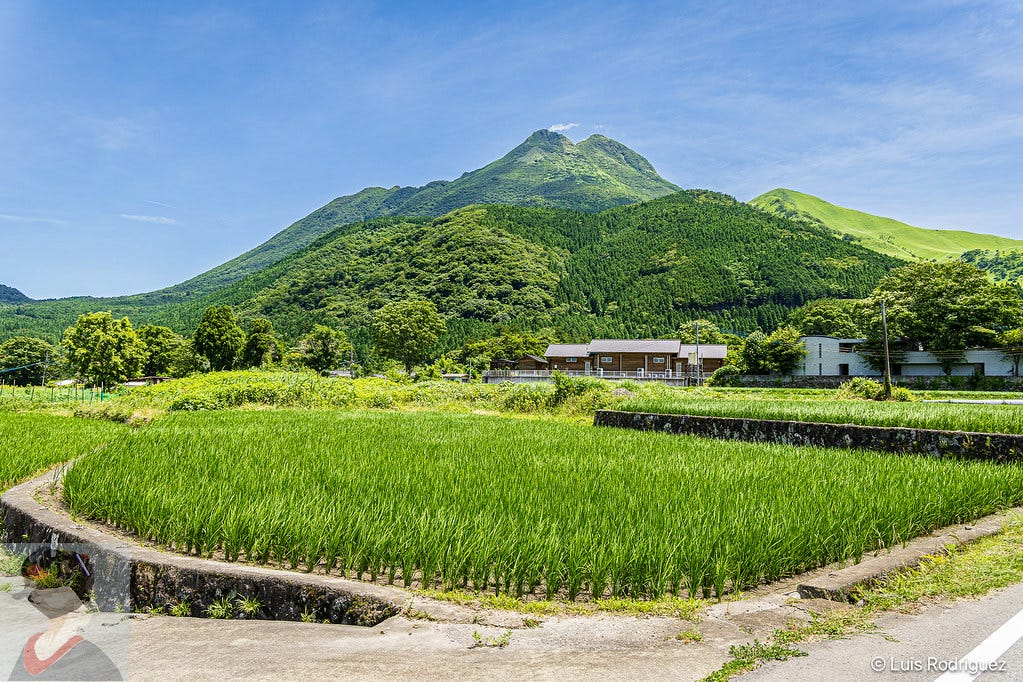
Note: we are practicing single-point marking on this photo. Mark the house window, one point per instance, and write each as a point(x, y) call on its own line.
point(571, 359)
point(658, 361)
point(843, 369)
point(606, 359)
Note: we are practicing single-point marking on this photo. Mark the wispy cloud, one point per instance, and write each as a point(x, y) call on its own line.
point(562, 127)
point(157, 219)
point(158, 203)
point(28, 219)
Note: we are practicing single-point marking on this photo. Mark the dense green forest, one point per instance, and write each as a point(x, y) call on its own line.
point(631, 271)
point(1003, 266)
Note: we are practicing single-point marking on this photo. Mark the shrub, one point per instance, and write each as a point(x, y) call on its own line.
point(725, 376)
point(860, 388)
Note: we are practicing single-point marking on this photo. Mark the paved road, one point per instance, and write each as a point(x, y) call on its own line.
point(941, 634)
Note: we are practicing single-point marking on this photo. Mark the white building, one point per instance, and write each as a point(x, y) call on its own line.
point(828, 356)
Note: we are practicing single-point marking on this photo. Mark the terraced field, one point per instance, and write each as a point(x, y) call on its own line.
point(516, 505)
point(31, 443)
point(942, 416)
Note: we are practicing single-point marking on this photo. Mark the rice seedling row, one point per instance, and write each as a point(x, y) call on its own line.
point(516, 506)
point(31, 443)
point(941, 416)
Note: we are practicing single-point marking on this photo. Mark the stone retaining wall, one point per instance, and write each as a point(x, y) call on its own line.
point(984, 446)
point(159, 579)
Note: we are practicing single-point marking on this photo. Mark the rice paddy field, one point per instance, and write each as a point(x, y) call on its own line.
point(31, 443)
point(942, 416)
point(516, 506)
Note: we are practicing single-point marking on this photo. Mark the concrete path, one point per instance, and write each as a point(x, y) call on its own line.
point(964, 401)
point(913, 648)
point(575, 648)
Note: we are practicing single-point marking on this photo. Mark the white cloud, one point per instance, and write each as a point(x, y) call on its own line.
point(562, 127)
point(158, 219)
point(27, 219)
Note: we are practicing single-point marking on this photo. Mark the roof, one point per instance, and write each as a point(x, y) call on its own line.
point(566, 350)
point(537, 358)
point(707, 350)
point(667, 346)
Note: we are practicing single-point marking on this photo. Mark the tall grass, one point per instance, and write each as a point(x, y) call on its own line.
point(516, 506)
point(943, 416)
point(31, 443)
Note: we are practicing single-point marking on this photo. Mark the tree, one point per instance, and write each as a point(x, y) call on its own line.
point(1012, 341)
point(943, 308)
point(261, 346)
point(21, 351)
point(784, 350)
point(510, 344)
point(160, 344)
point(754, 356)
point(407, 330)
point(826, 317)
point(218, 337)
point(709, 332)
point(103, 350)
point(186, 361)
point(324, 348)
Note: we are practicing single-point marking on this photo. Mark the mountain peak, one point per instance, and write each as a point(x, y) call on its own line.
point(12, 295)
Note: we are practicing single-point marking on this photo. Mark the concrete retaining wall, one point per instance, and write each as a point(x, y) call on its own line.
point(159, 579)
point(984, 446)
point(922, 383)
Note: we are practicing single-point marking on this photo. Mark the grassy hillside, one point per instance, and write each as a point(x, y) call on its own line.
point(883, 235)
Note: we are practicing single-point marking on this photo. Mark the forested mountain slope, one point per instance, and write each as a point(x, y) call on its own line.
point(636, 270)
point(547, 169)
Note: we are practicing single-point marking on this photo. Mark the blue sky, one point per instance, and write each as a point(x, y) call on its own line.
point(142, 143)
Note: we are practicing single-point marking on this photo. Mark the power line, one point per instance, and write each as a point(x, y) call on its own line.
point(15, 369)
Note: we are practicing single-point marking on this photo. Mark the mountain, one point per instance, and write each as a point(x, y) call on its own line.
point(883, 235)
point(12, 295)
point(636, 270)
point(547, 169)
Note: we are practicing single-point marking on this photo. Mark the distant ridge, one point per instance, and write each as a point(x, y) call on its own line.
point(12, 295)
point(883, 235)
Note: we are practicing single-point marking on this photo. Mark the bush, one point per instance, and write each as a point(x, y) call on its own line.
point(861, 388)
point(902, 394)
point(725, 376)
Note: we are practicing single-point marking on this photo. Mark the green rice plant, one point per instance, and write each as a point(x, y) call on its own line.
point(517, 506)
point(942, 416)
point(32, 443)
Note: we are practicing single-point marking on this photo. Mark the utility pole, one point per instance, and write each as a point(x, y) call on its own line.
point(45, 365)
point(698, 352)
point(887, 356)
